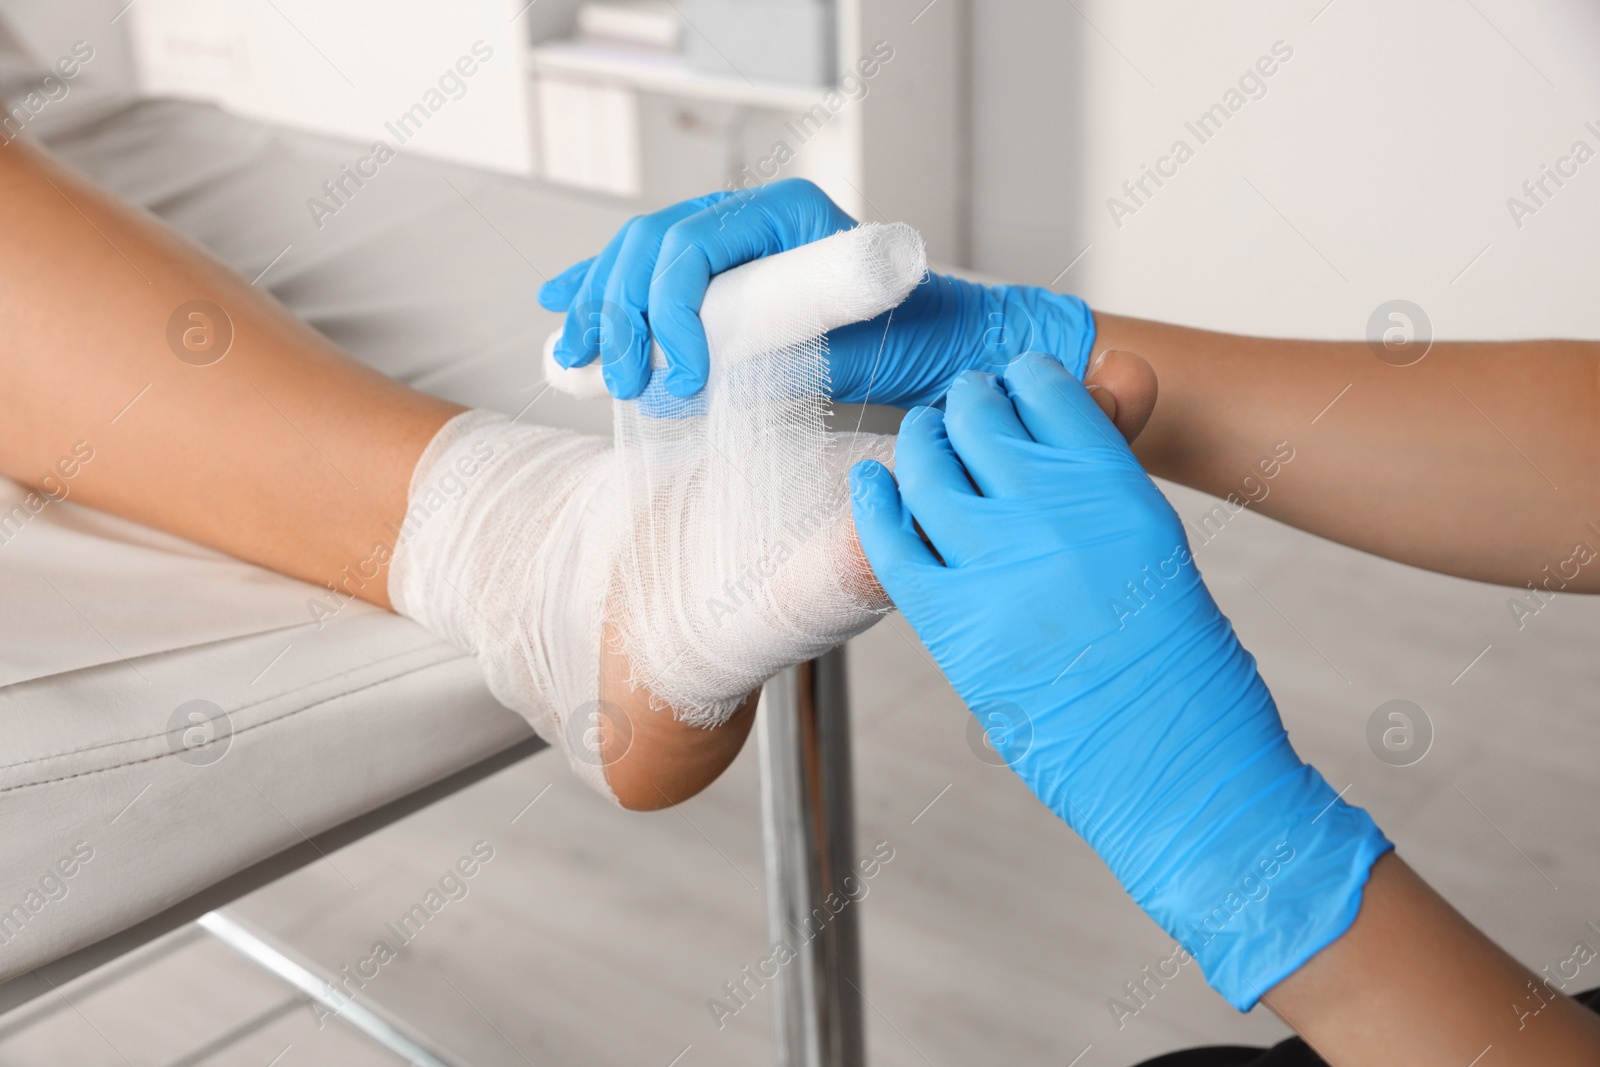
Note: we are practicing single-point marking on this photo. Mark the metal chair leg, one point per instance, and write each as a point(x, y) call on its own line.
point(371, 1021)
point(808, 826)
point(808, 830)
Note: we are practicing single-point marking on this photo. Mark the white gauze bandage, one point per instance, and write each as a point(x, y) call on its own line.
point(714, 533)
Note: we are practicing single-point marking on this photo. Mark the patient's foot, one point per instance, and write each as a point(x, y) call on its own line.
point(508, 552)
point(678, 695)
point(652, 758)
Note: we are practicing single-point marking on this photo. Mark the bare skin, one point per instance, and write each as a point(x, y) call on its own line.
point(86, 333)
point(1413, 982)
point(1482, 460)
point(655, 760)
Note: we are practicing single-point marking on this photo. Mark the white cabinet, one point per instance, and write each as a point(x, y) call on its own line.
point(885, 137)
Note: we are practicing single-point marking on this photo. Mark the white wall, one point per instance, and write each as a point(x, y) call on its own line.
point(445, 80)
point(36, 34)
point(1390, 141)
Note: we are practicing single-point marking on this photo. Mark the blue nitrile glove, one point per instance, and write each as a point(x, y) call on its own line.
point(653, 274)
point(1065, 609)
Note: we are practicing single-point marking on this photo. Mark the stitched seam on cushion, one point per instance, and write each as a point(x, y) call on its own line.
point(240, 733)
point(145, 656)
point(247, 707)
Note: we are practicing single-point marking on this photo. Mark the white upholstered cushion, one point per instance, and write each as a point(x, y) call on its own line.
point(107, 628)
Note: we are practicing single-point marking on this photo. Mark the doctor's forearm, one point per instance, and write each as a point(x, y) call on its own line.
point(1481, 460)
point(1412, 983)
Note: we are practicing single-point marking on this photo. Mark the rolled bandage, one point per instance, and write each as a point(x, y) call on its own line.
point(771, 305)
point(714, 532)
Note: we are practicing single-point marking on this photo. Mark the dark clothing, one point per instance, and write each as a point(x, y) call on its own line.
point(1291, 1053)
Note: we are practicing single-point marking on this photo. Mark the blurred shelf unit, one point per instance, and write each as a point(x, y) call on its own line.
point(653, 100)
point(668, 75)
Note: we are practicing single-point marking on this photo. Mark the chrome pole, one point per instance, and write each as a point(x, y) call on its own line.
point(808, 829)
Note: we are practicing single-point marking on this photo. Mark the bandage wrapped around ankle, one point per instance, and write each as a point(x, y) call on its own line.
point(712, 536)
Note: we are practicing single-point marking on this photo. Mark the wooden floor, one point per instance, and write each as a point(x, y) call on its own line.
point(993, 936)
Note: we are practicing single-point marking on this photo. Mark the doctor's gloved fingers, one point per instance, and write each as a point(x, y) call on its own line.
point(588, 319)
point(935, 487)
point(597, 326)
point(885, 528)
point(988, 435)
point(1058, 410)
point(904, 357)
point(625, 348)
point(737, 228)
point(557, 293)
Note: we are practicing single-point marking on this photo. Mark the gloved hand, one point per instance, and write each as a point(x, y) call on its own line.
point(1065, 609)
point(653, 274)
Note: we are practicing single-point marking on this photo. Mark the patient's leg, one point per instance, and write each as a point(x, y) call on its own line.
point(254, 435)
point(284, 452)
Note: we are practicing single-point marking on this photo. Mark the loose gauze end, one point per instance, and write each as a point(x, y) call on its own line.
point(713, 533)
